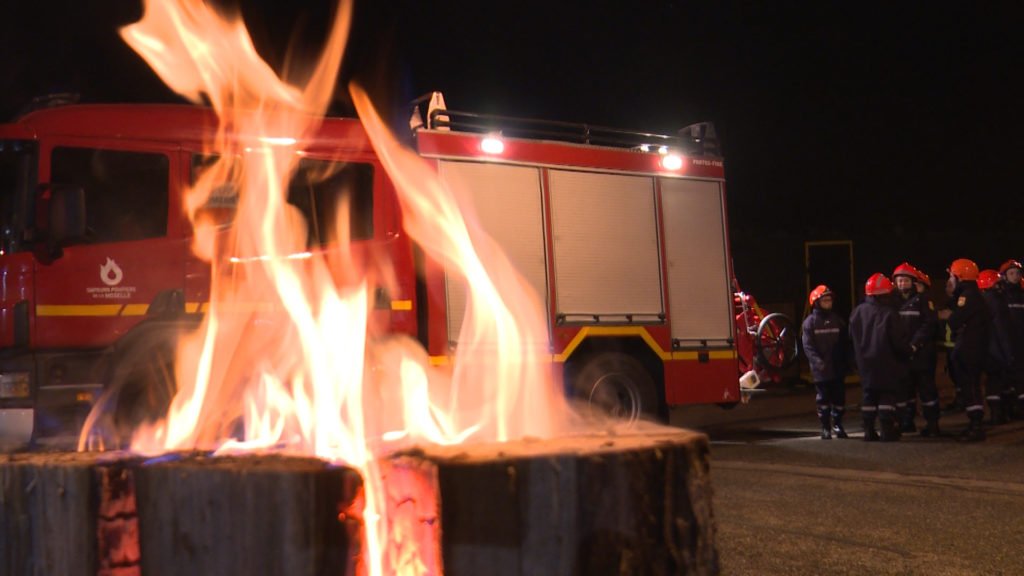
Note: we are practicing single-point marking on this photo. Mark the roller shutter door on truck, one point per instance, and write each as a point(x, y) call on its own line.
point(699, 295)
point(605, 237)
point(507, 203)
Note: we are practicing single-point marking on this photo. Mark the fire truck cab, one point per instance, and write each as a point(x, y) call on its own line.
point(623, 235)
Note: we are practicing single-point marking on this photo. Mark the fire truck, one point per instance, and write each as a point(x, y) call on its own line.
point(622, 234)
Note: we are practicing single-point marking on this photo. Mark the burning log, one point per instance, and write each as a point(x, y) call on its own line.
point(48, 516)
point(638, 504)
point(589, 505)
point(115, 515)
point(244, 515)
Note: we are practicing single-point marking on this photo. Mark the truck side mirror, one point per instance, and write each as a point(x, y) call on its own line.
point(65, 219)
point(67, 214)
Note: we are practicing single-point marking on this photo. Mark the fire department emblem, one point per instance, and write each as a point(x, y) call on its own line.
point(110, 273)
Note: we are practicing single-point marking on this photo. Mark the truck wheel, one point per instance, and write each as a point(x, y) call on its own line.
point(614, 384)
point(145, 388)
point(139, 389)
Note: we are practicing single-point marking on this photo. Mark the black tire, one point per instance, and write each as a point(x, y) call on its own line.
point(146, 386)
point(140, 387)
point(776, 343)
point(617, 385)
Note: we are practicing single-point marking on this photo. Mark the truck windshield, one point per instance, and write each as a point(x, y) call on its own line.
point(17, 181)
point(319, 189)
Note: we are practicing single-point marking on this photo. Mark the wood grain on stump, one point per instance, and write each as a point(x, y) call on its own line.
point(593, 505)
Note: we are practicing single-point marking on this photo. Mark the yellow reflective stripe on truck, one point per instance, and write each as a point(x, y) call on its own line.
point(611, 331)
point(135, 310)
point(642, 332)
point(95, 310)
point(79, 310)
point(92, 310)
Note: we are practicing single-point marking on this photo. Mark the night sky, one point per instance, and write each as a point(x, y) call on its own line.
point(894, 125)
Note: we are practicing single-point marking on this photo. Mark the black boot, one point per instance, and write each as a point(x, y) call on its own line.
point(826, 427)
point(907, 415)
point(974, 432)
point(837, 424)
point(995, 412)
point(1009, 403)
point(890, 431)
point(958, 404)
point(931, 417)
point(869, 429)
point(907, 424)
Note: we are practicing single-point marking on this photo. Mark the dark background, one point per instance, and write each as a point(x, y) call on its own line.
point(893, 125)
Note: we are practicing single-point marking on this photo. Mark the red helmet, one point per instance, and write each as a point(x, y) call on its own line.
point(818, 292)
point(964, 269)
point(1010, 264)
point(987, 279)
point(877, 285)
point(924, 278)
point(905, 269)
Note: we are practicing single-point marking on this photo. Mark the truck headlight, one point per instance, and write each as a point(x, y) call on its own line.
point(14, 385)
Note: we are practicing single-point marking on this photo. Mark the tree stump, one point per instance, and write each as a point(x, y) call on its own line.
point(58, 510)
point(594, 505)
point(120, 515)
point(267, 515)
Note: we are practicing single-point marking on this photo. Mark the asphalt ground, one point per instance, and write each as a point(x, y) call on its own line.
point(787, 502)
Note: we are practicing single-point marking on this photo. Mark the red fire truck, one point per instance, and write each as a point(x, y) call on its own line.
point(622, 234)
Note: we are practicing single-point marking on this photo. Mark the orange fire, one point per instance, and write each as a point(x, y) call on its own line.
point(287, 347)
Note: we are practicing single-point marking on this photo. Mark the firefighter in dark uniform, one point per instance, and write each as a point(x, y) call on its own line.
point(926, 358)
point(1013, 293)
point(881, 346)
point(918, 316)
point(969, 319)
point(943, 340)
point(825, 341)
point(999, 362)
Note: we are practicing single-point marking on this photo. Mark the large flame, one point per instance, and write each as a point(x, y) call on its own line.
point(287, 348)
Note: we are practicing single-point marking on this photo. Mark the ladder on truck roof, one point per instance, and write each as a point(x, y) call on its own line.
point(697, 139)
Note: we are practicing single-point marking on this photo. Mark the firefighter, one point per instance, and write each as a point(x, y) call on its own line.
point(1004, 340)
point(918, 315)
point(971, 323)
point(929, 389)
point(824, 339)
point(1013, 394)
point(945, 335)
point(882, 349)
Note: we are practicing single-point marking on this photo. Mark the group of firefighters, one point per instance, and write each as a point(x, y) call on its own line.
point(892, 336)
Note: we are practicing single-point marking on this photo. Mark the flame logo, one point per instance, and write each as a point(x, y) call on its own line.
point(110, 273)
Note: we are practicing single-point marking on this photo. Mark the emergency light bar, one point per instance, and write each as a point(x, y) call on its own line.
point(697, 139)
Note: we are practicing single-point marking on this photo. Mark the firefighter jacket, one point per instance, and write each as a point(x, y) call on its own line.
point(1015, 303)
point(825, 341)
point(918, 315)
point(970, 322)
point(881, 344)
point(1003, 337)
